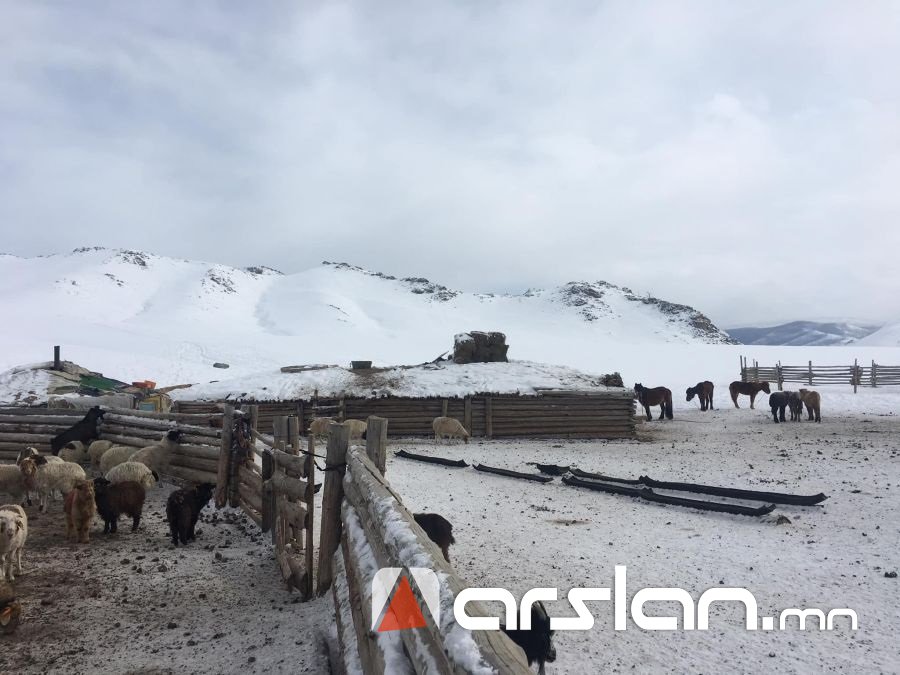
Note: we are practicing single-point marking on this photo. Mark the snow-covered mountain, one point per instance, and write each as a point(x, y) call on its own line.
point(886, 336)
point(803, 333)
point(136, 315)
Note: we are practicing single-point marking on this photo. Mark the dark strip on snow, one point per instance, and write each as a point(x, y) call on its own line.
point(513, 474)
point(432, 460)
point(649, 495)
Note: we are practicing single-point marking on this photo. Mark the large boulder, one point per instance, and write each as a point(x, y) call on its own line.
point(480, 347)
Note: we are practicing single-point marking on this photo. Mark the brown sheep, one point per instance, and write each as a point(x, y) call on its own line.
point(114, 499)
point(80, 511)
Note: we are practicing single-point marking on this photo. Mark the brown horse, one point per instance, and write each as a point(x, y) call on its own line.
point(660, 396)
point(703, 391)
point(750, 389)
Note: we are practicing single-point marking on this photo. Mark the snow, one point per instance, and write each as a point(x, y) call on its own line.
point(518, 535)
point(886, 336)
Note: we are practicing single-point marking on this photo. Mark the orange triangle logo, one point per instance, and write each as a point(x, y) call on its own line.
point(403, 611)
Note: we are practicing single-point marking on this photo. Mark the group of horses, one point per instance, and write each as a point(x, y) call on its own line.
point(662, 396)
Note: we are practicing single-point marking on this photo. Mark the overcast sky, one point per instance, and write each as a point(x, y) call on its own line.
point(740, 157)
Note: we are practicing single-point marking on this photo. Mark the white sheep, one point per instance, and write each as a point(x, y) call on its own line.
point(135, 471)
point(116, 455)
point(96, 450)
point(33, 452)
point(45, 476)
point(13, 533)
point(449, 427)
point(357, 428)
point(158, 456)
point(73, 451)
point(319, 426)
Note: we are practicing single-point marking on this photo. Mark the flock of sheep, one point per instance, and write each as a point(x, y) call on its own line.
point(125, 475)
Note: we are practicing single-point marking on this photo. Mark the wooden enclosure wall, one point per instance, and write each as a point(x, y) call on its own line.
point(810, 375)
point(561, 414)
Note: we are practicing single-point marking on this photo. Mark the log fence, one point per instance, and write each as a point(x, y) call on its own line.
point(873, 375)
point(365, 528)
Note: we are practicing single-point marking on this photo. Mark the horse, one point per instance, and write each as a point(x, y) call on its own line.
point(813, 404)
point(660, 396)
point(703, 391)
point(795, 405)
point(778, 402)
point(750, 389)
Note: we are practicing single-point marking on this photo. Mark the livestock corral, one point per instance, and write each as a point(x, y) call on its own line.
point(279, 577)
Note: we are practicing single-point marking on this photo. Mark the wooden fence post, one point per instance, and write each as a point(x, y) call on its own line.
point(333, 496)
point(293, 435)
point(467, 414)
point(342, 410)
point(254, 416)
point(445, 404)
point(300, 416)
point(268, 495)
point(874, 373)
point(810, 374)
point(488, 417)
point(780, 378)
point(309, 539)
point(224, 468)
point(855, 377)
point(376, 441)
point(56, 361)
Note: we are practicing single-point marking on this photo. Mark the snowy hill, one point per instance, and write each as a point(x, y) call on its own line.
point(802, 333)
point(886, 336)
point(136, 315)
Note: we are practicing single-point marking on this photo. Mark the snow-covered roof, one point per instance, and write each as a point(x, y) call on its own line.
point(443, 379)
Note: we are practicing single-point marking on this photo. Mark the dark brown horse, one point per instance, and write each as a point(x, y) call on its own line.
point(750, 389)
point(703, 391)
point(660, 396)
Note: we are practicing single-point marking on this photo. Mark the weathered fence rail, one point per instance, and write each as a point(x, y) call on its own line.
point(874, 375)
point(372, 530)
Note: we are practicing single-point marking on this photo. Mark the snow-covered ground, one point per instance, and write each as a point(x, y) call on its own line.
point(519, 535)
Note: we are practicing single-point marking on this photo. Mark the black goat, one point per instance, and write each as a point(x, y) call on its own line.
point(537, 642)
point(85, 430)
point(438, 529)
point(183, 508)
point(114, 499)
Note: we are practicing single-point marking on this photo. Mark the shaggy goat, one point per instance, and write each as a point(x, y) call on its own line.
point(45, 477)
point(135, 472)
point(13, 533)
point(438, 529)
point(183, 509)
point(449, 427)
point(157, 456)
point(12, 482)
point(85, 430)
point(537, 641)
point(80, 511)
point(114, 499)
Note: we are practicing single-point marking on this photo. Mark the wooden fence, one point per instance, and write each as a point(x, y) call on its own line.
point(365, 527)
point(875, 375)
point(557, 414)
point(196, 459)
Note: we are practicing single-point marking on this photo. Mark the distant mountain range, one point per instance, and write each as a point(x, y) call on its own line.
point(803, 333)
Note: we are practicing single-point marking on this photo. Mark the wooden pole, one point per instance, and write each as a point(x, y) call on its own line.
point(778, 373)
point(268, 496)
point(254, 417)
point(300, 416)
point(224, 469)
point(445, 404)
point(810, 374)
point(57, 365)
point(309, 539)
point(467, 414)
point(488, 417)
point(332, 497)
point(376, 441)
point(293, 435)
point(874, 374)
point(855, 374)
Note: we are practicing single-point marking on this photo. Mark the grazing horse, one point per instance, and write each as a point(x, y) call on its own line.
point(660, 396)
point(703, 391)
point(750, 389)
